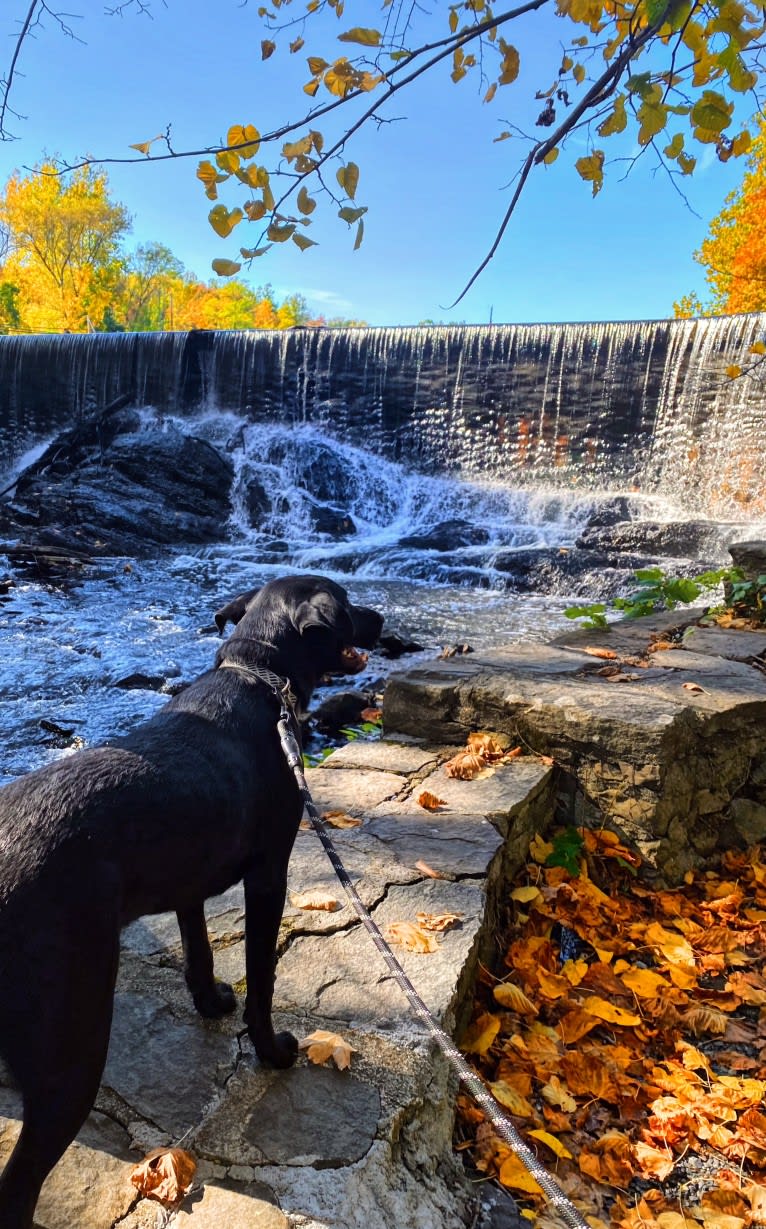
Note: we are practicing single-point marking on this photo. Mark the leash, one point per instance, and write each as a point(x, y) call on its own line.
point(286, 726)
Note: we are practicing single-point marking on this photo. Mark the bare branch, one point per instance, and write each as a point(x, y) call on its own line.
point(601, 89)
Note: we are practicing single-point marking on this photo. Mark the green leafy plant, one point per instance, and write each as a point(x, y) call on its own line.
point(593, 615)
point(657, 590)
point(567, 850)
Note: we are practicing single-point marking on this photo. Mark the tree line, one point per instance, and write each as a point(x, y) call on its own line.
point(65, 267)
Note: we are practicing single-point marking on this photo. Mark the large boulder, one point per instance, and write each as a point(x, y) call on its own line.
point(119, 486)
point(750, 556)
point(674, 539)
point(447, 536)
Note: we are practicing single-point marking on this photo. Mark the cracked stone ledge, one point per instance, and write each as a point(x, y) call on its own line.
point(311, 1148)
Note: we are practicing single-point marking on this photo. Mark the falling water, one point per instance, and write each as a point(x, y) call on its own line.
point(643, 405)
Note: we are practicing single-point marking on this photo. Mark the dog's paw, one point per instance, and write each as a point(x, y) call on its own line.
point(218, 1001)
point(281, 1050)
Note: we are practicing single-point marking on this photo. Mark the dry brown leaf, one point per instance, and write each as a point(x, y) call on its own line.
point(594, 651)
point(488, 746)
point(517, 1177)
point(429, 801)
point(511, 1099)
point(539, 849)
point(480, 1034)
point(411, 937)
point(315, 898)
point(466, 766)
point(371, 714)
point(321, 1045)
point(596, 1006)
point(165, 1174)
point(644, 983)
point(701, 1020)
point(653, 1162)
point(526, 894)
point(695, 687)
point(514, 998)
point(554, 1144)
point(609, 1160)
point(341, 819)
point(662, 646)
point(429, 870)
point(438, 921)
point(557, 1094)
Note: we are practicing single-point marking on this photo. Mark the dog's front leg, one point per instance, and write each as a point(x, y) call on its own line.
point(264, 904)
point(211, 998)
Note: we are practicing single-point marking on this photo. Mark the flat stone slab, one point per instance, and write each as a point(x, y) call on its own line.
point(167, 1070)
point(385, 755)
point(342, 977)
point(667, 745)
point(356, 792)
point(740, 645)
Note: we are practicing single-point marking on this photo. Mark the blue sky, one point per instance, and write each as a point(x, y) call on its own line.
point(434, 180)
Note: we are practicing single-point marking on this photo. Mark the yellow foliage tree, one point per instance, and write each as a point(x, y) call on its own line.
point(65, 236)
point(734, 253)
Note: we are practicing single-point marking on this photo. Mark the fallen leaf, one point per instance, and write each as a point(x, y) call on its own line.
point(411, 937)
point(644, 983)
point(165, 1174)
point(480, 1034)
point(526, 894)
point(692, 687)
point(539, 849)
point(700, 1020)
point(341, 819)
point(554, 1144)
point(553, 985)
point(517, 1177)
point(653, 1162)
point(314, 898)
point(428, 870)
point(596, 1006)
point(429, 801)
point(576, 1024)
point(556, 1094)
point(514, 998)
point(371, 714)
point(609, 1160)
point(321, 1045)
point(438, 921)
point(593, 651)
point(511, 1100)
point(466, 766)
point(488, 746)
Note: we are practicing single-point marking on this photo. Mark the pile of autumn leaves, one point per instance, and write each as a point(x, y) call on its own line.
point(637, 1066)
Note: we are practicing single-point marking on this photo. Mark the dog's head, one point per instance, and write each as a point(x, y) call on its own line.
point(301, 627)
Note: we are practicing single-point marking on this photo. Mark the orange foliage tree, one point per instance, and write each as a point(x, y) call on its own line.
point(734, 252)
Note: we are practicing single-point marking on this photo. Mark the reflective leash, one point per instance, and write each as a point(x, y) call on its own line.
point(467, 1076)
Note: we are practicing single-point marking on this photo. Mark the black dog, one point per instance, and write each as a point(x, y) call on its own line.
point(193, 801)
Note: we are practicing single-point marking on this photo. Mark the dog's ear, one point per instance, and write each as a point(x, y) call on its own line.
point(234, 610)
point(324, 610)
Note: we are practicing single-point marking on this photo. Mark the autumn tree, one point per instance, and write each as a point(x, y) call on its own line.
point(65, 241)
point(734, 252)
point(660, 77)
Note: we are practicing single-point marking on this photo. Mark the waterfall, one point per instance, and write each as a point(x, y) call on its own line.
point(639, 405)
